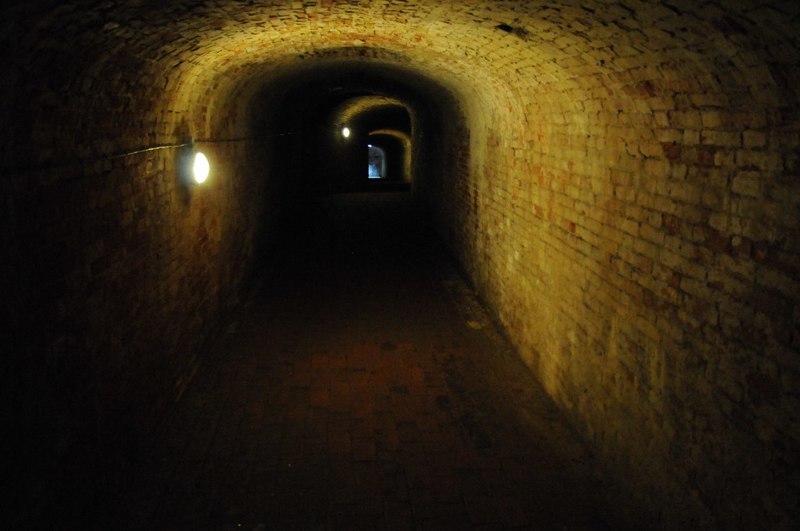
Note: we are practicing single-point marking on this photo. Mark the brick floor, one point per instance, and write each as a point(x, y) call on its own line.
point(363, 388)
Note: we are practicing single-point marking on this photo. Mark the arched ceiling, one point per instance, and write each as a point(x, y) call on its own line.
point(400, 135)
point(167, 60)
point(392, 110)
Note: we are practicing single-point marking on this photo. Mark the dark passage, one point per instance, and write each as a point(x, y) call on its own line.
point(363, 388)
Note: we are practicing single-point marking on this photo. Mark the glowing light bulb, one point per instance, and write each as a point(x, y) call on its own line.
point(201, 168)
point(345, 132)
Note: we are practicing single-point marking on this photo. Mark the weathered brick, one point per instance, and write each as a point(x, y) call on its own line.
point(649, 132)
point(747, 183)
point(754, 139)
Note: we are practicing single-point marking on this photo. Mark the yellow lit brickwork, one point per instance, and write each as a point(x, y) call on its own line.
point(619, 180)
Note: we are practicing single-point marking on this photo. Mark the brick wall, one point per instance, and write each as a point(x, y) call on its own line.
point(619, 181)
point(633, 219)
point(115, 273)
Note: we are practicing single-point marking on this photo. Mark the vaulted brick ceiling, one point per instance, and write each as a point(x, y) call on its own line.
point(190, 58)
point(618, 179)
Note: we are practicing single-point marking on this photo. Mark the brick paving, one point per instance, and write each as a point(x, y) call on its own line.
point(362, 387)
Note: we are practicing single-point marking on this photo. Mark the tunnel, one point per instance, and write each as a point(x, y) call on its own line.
point(612, 188)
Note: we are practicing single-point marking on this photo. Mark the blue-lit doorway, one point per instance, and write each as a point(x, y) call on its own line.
point(377, 162)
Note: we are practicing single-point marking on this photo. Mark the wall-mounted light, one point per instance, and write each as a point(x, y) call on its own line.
point(194, 167)
point(346, 132)
point(200, 168)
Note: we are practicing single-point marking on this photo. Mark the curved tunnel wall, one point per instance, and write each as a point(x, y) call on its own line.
point(619, 181)
point(367, 114)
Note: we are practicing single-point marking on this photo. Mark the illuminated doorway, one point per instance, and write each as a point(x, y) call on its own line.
point(377, 162)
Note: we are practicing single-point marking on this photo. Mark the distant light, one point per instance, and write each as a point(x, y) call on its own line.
point(201, 168)
point(345, 132)
point(369, 145)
